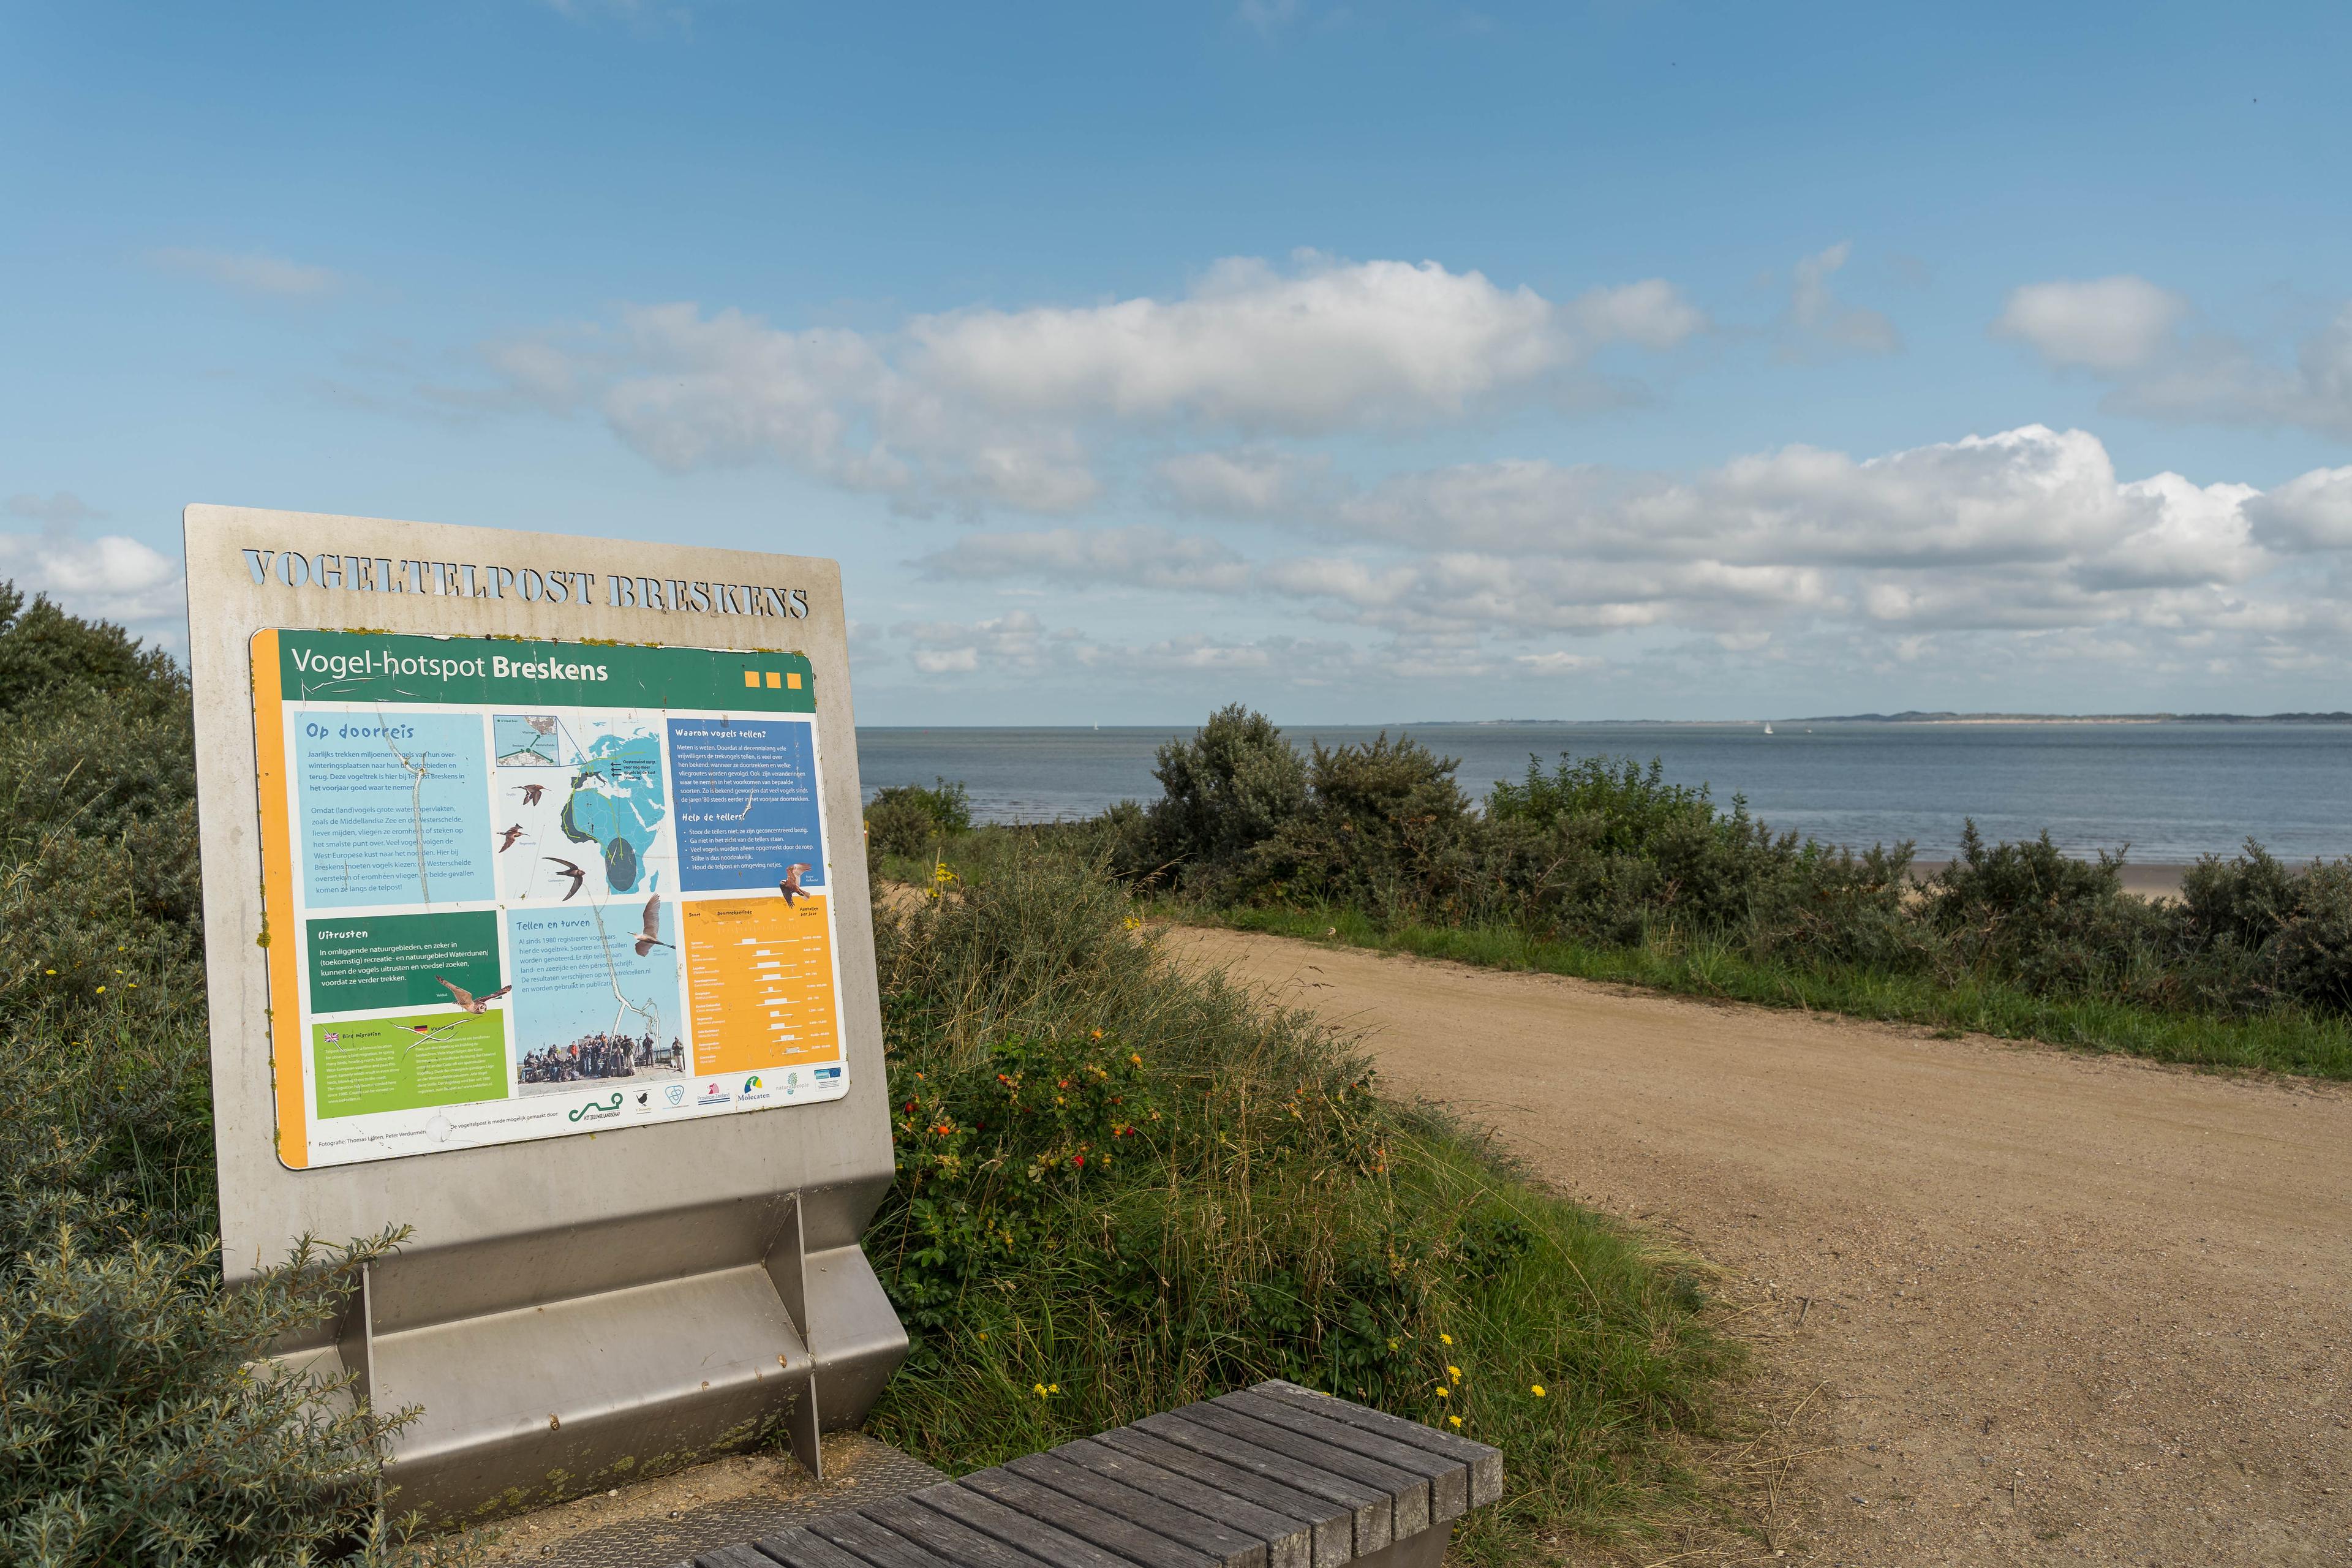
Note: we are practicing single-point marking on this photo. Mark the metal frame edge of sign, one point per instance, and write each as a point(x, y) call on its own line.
point(568, 1309)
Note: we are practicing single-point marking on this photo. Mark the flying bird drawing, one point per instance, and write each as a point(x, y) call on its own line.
point(652, 938)
point(530, 793)
point(467, 1000)
point(791, 886)
point(507, 837)
point(575, 872)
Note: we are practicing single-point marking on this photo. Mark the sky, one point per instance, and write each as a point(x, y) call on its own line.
point(1365, 364)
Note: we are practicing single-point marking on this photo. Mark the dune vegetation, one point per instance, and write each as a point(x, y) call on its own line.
point(1120, 1187)
point(1598, 867)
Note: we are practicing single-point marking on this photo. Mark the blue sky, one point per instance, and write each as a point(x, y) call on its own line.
point(1363, 363)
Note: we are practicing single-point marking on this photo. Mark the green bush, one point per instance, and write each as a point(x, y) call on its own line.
point(908, 820)
point(1122, 1186)
point(1222, 794)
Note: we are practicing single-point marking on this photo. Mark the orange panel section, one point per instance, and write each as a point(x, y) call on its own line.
point(277, 905)
point(760, 972)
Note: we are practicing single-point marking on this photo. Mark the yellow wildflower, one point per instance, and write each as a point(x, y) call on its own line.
point(1445, 1393)
point(1536, 1389)
point(1445, 1338)
point(1454, 1372)
point(1455, 1419)
point(1039, 1388)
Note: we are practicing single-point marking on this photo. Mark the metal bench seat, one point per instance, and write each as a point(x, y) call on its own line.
point(1278, 1476)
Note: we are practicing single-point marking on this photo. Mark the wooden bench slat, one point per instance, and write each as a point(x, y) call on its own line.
point(1408, 1493)
point(1085, 1520)
point(796, 1548)
point(731, 1557)
point(1484, 1460)
point(993, 1518)
point(1448, 1479)
point(856, 1534)
point(1229, 1547)
point(1289, 1542)
point(1333, 1522)
point(959, 1543)
point(1369, 1509)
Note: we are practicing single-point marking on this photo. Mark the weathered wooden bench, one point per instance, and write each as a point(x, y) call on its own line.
point(1278, 1476)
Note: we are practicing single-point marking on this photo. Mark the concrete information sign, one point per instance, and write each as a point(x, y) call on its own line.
point(537, 921)
point(536, 889)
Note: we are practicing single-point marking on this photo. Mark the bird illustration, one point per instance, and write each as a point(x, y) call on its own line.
point(575, 872)
point(507, 837)
point(530, 793)
point(467, 1000)
point(791, 886)
point(651, 941)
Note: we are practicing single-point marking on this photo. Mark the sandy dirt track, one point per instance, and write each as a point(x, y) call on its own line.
point(2049, 1308)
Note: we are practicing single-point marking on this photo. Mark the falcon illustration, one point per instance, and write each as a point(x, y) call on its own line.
point(791, 886)
point(575, 872)
point(467, 1000)
point(530, 793)
point(650, 940)
point(507, 837)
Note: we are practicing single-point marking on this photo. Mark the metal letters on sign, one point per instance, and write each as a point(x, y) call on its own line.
point(533, 889)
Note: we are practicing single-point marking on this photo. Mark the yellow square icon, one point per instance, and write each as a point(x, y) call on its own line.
point(792, 679)
point(750, 677)
point(774, 679)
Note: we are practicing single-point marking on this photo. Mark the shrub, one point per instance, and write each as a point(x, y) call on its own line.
point(2027, 913)
point(908, 820)
point(1378, 828)
point(1224, 792)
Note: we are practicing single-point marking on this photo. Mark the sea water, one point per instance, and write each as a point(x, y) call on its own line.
point(2169, 791)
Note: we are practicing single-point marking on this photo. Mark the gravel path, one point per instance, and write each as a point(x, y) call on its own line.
point(2049, 1308)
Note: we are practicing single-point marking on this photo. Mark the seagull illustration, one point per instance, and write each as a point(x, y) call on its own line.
point(791, 886)
point(575, 872)
point(467, 1000)
point(649, 941)
point(507, 837)
point(530, 793)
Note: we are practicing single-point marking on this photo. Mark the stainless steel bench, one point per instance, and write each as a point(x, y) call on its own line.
point(1279, 1476)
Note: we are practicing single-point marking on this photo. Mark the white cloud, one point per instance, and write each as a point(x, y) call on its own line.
point(1254, 482)
point(58, 509)
point(1557, 663)
point(1137, 556)
point(252, 273)
point(112, 577)
point(2026, 532)
point(2107, 324)
point(2313, 512)
point(1819, 322)
point(978, 406)
point(1014, 641)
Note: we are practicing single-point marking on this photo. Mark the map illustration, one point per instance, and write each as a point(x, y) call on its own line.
point(588, 797)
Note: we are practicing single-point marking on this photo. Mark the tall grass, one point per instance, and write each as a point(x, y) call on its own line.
point(2280, 1039)
point(1124, 1187)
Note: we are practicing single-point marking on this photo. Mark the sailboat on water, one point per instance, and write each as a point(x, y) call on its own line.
point(1767, 726)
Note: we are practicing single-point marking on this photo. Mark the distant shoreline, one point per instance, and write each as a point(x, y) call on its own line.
point(1914, 717)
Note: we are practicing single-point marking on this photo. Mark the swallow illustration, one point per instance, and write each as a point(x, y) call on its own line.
point(507, 837)
point(575, 872)
point(530, 793)
point(791, 886)
point(647, 942)
point(467, 1000)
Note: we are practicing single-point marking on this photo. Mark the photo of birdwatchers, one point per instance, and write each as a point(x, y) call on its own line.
point(597, 995)
point(540, 889)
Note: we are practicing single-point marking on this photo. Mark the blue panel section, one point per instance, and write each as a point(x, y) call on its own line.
point(395, 808)
point(745, 797)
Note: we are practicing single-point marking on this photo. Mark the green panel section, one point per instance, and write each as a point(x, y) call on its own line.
point(360, 963)
point(402, 1064)
point(363, 667)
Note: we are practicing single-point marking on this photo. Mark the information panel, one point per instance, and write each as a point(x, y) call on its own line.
point(520, 890)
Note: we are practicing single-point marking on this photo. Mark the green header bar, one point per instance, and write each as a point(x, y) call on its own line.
point(364, 666)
